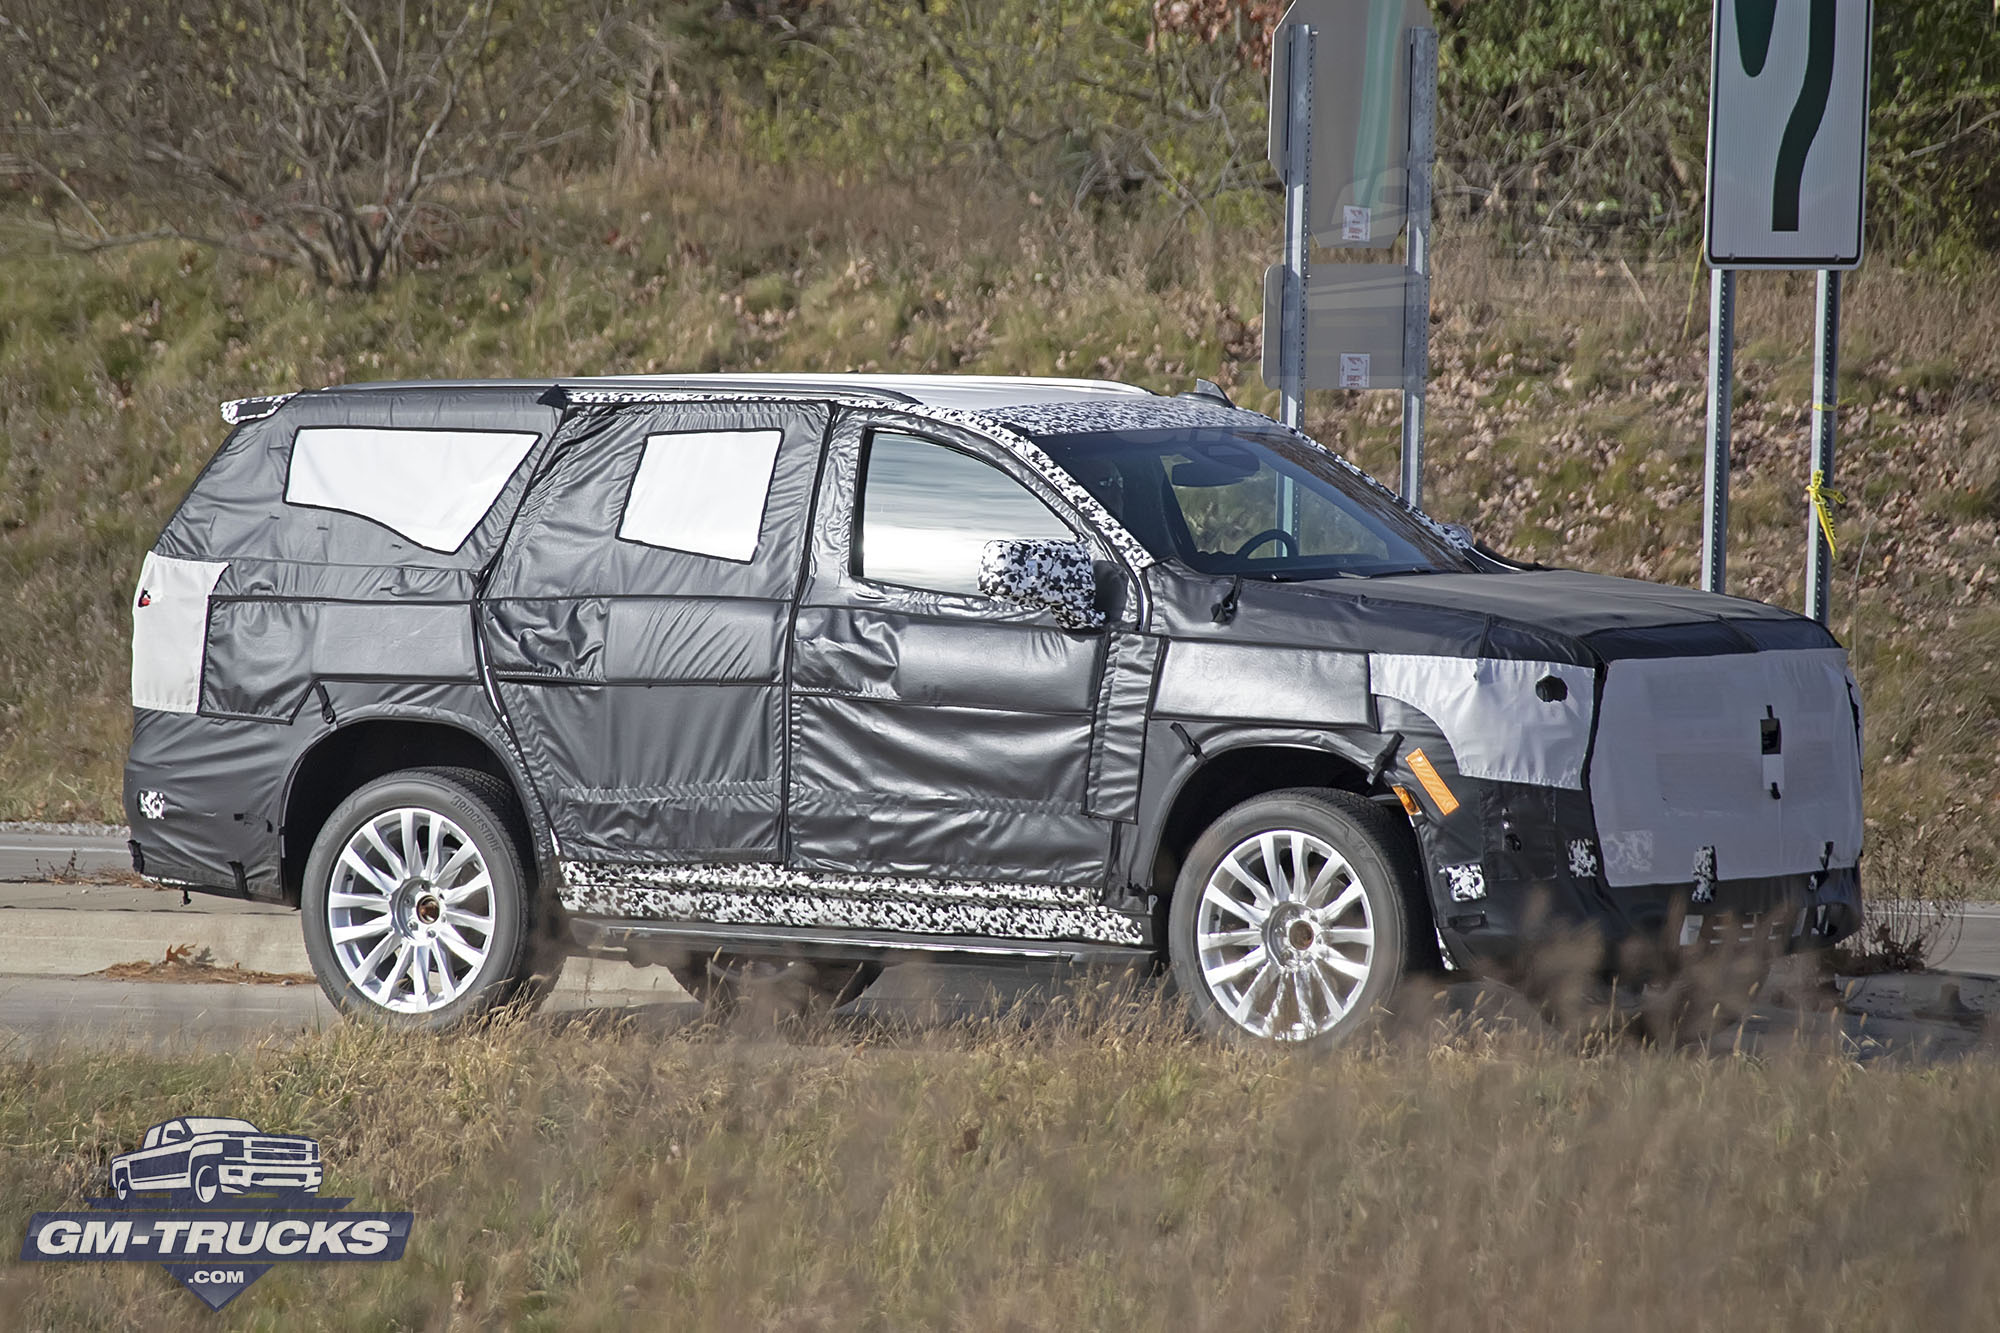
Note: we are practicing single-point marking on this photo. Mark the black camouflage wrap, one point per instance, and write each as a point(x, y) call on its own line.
point(778, 741)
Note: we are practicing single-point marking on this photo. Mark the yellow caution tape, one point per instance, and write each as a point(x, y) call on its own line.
point(1823, 499)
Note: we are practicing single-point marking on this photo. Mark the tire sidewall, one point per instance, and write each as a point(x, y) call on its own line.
point(506, 959)
point(1355, 834)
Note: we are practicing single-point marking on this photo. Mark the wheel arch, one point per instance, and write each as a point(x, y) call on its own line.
point(370, 746)
point(1236, 768)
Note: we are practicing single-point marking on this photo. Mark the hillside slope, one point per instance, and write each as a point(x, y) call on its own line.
point(1565, 413)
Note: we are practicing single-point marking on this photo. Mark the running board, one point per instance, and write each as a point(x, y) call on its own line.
point(598, 934)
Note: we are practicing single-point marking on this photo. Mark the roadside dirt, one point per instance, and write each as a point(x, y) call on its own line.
point(186, 963)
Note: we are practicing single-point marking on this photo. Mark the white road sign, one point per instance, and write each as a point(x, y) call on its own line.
point(1788, 133)
point(1355, 316)
point(1360, 120)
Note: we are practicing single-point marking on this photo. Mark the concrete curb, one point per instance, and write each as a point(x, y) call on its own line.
point(72, 942)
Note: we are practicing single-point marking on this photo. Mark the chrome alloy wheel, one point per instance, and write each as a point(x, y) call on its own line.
point(410, 910)
point(1284, 935)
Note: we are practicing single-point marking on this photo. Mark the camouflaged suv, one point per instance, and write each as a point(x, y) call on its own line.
point(797, 675)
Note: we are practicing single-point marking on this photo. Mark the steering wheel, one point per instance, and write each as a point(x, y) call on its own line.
point(1268, 535)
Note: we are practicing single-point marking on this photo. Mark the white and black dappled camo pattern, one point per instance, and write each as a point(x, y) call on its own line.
point(1704, 875)
point(1012, 570)
point(774, 896)
point(1582, 858)
point(1468, 882)
point(1097, 416)
point(1115, 414)
point(238, 410)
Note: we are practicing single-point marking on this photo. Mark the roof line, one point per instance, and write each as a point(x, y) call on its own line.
point(772, 386)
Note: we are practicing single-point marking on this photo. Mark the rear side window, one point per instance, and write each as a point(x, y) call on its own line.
point(927, 512)
point(431, 486)
point(702, 492)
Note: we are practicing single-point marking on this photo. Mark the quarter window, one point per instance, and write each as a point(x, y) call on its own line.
point(927, 512)
point(702, 491)
point(431, 486)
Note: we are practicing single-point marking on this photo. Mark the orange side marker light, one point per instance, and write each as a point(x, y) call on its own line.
point(1420, 764)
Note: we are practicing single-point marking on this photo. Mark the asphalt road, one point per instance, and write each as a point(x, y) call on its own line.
point(36, 856)
point(40, 1010)
point(1977, 949)
point(26, 857)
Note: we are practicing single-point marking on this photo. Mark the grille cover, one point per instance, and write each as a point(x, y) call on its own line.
point(1679, 765)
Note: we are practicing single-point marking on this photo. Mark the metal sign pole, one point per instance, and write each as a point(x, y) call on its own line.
point(1298, 226)
point(1721, 372)
point(1298, 239)
point(1826, 383)
point(1417, 291)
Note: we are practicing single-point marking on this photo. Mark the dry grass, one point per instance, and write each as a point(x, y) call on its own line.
point(1566, 412)
point(1091, 1169)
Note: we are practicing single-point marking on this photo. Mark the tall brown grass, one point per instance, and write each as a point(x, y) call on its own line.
point(1094, 1167)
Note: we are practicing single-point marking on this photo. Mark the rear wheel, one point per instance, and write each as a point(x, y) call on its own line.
point(419, 905)
point(1288, 923)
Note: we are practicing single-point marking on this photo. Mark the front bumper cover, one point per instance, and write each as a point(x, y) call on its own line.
point(1515, 865)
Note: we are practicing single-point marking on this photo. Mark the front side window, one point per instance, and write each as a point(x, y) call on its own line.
point(927, 512)
point(1256, 503)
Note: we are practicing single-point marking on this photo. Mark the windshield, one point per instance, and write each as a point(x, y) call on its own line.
point(1257, 503)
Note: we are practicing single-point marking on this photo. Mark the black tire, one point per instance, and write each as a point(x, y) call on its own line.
point(738, 989)
point(207, 1184)
point(1293, 941)
point(121, 1183)
point(521, 959)
point(548, 952)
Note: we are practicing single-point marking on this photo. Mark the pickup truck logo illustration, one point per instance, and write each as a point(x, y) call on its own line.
point(208, 1156)
point(238, 1201)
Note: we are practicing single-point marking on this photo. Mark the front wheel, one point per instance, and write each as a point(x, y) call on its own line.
point(418, 902)
point(207, 1185)
point(1288, 922)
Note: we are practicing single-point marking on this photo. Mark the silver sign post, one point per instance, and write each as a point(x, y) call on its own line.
point(1298, 227)
point(1721, 371)
point(1417, 290)
point(1826, 388)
